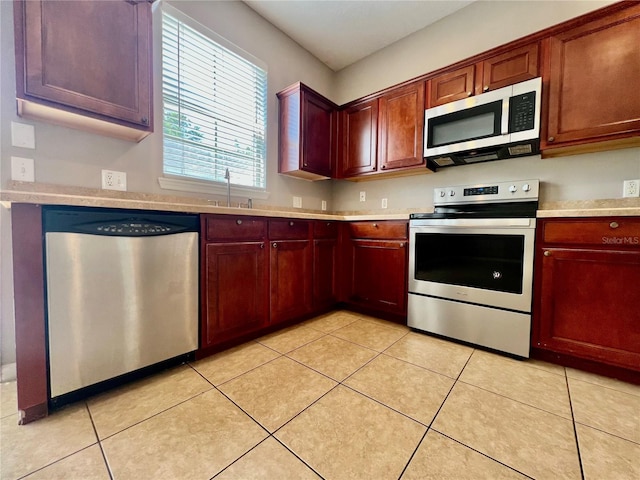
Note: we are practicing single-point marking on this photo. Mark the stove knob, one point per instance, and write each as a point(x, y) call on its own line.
point(452, 193)
point(442, 193)
point(526, 187)
point(513, 189)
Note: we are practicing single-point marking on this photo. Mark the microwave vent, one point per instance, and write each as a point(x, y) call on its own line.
point(481, 158)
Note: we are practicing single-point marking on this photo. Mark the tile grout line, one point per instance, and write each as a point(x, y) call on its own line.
point(430, 427)
point(573, 423)
point(516, 400)
point(434, 417)
point(483, 454)
point(95, 430)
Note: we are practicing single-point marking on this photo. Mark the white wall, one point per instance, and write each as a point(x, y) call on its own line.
point(70, 157)
point(472, 30)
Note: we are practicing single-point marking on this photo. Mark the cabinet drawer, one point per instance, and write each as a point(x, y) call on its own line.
point(288, 229)
point(322, 229)
point(381, 229)
point(613, 232)
point(235, 229)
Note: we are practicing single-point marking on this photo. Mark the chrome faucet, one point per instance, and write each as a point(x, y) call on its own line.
point(227, 176)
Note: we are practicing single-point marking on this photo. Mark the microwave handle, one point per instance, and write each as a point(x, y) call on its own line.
point(504, 126)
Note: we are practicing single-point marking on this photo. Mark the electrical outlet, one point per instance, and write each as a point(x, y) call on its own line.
point(324, 205)
point(297, 202)
point(384, 203)
point(363, 196)
point(22, 169)
point(631, 188)
point(113, 180)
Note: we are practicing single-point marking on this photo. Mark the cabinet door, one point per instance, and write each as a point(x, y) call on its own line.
point(511, 67)
point(290, 279)
point(234, 291)
point(452, 86)
point(379, 275)
point(319, 120)
point(401, 127)
point(359, 127)
point(325, 292)
point(593, 73)
point(91, 56)
point(589, 305)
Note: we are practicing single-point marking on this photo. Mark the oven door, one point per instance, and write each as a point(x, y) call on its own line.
point(485, 261)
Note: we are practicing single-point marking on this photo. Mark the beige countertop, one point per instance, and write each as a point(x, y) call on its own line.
point(623, 207)
point(47, 194)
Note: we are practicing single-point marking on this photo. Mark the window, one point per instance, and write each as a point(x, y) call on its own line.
point(214, 107)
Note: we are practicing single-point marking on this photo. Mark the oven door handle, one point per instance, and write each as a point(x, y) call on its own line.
point(476, 222)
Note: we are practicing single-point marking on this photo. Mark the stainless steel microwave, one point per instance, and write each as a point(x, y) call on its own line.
point(500, 124)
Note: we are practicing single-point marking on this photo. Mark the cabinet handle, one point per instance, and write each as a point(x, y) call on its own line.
point(375, 225)
point(328, 224)
point(262, 245)
point(401, 245)
point(469, 94)
point(291, 224)
point(551, 139)
point(486, 88)
point(274, 245)
point(239, 222)
point(383, 167)
point(614, 225)
point(144, 120)
point(547, 253)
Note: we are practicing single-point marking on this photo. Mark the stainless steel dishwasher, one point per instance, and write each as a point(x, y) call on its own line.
point(122, 292)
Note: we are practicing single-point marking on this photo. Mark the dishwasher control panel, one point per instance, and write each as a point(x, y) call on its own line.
point(118, 222)
point(133, 228)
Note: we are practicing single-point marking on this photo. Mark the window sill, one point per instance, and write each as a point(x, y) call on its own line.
point(211, 188)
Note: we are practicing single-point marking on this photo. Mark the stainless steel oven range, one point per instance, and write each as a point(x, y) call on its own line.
point(471, 265)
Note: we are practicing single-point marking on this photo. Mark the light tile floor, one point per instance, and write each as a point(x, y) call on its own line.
point(338, 397)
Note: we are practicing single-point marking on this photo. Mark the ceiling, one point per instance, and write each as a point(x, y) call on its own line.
point(341, 32)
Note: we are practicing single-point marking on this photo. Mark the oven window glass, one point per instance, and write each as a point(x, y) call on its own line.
point(469, 124)
point(490, 262)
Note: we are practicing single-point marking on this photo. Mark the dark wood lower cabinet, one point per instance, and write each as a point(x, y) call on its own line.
point(235, 291)
point(325, 258)
point(374, 268)
point(290, 279)
point(587, 303)
point(378, 275)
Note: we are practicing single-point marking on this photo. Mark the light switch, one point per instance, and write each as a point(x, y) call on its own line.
point(22, 169)
point(23, 135)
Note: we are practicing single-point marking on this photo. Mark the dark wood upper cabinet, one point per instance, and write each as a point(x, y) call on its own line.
point(451, 86)
point(359, 139)
point(401, 127)
point(86, 65)
point(591, 81)
point(514, 66)
point(383, 134)
point(308, 133)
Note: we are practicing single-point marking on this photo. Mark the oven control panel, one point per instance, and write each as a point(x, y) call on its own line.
point(513, 191)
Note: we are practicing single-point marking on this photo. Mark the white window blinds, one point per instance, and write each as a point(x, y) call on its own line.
point(215, 109)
